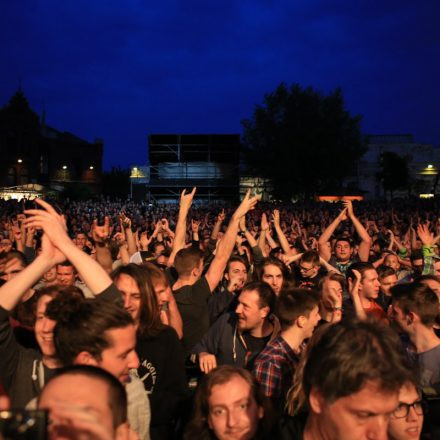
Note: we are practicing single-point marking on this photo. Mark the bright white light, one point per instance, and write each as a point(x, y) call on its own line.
point(19, 161)
point(91, 167)
point(64, 167)
point(430, 166)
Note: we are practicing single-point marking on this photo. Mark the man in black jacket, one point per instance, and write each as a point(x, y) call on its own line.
point(238, 337)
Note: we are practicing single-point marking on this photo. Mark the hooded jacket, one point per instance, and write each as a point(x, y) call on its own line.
point(226, 342)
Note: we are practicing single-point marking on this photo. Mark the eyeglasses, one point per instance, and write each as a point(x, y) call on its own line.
point(403, 409)
point(305, 269)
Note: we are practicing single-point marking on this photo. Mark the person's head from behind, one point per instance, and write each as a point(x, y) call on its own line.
point(416, 258)
point(94, 332)
point(134, 282)
point(84, 402)
point(66, 274)
point(414, 305)
point(298, 309)
point(309, 264)
point(369, 285)
point(432, 281)
point(227, 405)
point(387, 278)
point(351, 380)
point(255, 304)
point(189, 263)
point(407, 419)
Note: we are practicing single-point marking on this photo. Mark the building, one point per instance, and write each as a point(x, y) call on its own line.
point(178, 161)
point(34, 153)
point(423, 162)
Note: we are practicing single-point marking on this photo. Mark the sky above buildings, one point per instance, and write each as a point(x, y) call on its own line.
point(120, 70)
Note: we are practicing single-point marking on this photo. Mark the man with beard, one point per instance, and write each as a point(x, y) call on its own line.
point(237, 338)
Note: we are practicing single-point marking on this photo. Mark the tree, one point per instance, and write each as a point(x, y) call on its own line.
point(303, 141)
point(394, 172)
point(116, 183)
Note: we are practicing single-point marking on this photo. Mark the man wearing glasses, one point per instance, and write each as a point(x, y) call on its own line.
point(407, 419)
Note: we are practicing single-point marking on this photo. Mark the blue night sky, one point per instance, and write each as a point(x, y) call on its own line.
point(121, 70)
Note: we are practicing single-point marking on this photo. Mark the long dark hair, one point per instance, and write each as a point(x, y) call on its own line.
point(198, 428)
point(149, 318)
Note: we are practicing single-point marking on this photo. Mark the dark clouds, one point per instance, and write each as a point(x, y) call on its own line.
point(121, 70)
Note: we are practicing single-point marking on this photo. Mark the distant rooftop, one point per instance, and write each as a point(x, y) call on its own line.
point(390, 139)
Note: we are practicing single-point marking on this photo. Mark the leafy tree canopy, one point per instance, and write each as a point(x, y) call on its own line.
point(302, 140)
point(394, 172)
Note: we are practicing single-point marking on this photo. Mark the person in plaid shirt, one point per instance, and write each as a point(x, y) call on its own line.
point(298, 313)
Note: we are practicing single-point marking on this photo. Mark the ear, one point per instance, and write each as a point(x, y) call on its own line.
point(301, 321)
point(316, 401)
point(264, 312)
point(411, 317)
point(260, 412)
point(226, 276)
point(85, 358)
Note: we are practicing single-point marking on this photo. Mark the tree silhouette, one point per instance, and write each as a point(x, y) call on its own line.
point(394, 173)
point(302, 140)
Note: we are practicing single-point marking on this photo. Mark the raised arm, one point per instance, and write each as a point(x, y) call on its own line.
point(353, 289)
point(131, 242)
point(263, 232)
point(53, 226)
point(12, 291)
point(281, 236)
point(226, 244)
point(179, 239)
point(365, 245)
point(324, 250)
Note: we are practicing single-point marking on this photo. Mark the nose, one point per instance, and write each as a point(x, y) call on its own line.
point(48, 325)
point(127, 301)
point(412, 415)
point(133, 360)
point(232, 419)
point(239, 308)
point(378, 429)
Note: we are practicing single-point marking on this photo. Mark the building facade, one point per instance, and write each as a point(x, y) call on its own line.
point(34, 153)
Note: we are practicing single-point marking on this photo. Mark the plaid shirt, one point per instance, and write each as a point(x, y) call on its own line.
point(274, 368)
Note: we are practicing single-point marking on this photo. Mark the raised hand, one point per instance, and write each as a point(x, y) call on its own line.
point(47, 219)
point(186, 199)
point(426, 237)
point(221, 216)
point(247, 204)
point(100, 233)
point(349, 205)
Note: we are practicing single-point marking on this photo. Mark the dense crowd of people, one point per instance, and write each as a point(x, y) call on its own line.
point(128, 320)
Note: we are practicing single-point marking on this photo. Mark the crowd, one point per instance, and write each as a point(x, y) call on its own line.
point(124, 320)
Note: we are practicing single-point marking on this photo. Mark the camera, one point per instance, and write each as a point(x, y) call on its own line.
point(23, 425)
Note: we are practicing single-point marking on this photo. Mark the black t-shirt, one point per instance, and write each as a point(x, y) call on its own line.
point(162, 371)
point(192, 302)
point(254, 347)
